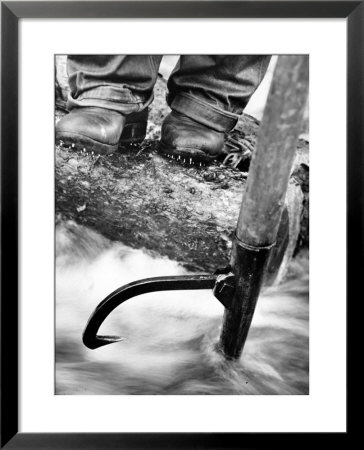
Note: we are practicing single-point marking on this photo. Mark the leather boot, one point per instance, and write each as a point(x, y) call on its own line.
point(189, 141)
point(100, 130)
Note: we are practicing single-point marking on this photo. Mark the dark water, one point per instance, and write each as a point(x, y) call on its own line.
point(170, 336)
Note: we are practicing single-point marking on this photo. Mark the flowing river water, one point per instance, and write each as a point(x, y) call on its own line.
point(170, 336)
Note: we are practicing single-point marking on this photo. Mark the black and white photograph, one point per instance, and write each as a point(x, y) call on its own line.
point(181, 224)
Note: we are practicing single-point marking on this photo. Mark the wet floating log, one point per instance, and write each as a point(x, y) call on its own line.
point(186, 213)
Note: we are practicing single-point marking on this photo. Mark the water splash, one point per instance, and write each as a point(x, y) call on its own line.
point(170, 336)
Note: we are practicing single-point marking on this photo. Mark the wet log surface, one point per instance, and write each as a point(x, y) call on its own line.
point(183, 212)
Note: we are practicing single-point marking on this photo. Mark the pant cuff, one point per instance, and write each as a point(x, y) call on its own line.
point(106, 97)
point(203, 112)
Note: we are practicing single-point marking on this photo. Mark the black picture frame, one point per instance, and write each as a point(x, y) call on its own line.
point(11, 12)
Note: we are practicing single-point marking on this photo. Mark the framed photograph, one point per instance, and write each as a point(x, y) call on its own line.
point(146, 155)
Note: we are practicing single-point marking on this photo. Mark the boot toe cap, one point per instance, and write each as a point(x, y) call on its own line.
point(104, 127)
point(183, 136)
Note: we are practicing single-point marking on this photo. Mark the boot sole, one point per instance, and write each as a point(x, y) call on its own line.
point(77, 141)
point(185, 154)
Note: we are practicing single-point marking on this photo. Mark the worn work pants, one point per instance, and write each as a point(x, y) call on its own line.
point(212, 90)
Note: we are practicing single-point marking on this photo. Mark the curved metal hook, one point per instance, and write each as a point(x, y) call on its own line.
point(124, 293)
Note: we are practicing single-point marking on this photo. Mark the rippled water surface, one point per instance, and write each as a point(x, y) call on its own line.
point(170, 336)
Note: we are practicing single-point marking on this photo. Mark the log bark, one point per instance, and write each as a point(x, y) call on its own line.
point(186, 213)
